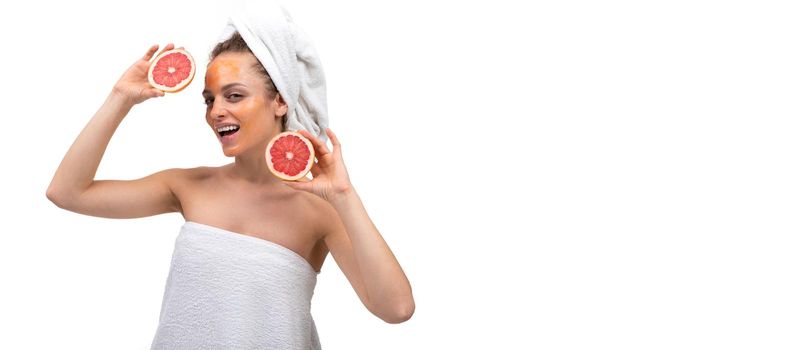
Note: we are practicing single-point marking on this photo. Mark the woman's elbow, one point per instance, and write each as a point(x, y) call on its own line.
point(53, 197)
point(402, 314)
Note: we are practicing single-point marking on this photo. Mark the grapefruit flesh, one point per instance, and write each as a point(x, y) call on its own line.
point(172, 70)
point(290, 155)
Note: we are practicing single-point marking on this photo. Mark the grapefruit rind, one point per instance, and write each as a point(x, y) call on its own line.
point(180, 86)
point(283, 175)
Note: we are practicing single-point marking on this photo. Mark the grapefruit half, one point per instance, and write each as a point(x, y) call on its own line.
point(172, 70)
point(290, 155)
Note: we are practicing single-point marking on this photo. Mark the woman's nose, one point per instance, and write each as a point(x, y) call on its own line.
point(217, 110)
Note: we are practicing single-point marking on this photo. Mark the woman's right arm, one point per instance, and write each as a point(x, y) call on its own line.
point(73, 186)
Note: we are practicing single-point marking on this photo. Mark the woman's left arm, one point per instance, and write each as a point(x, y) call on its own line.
point(387, 289)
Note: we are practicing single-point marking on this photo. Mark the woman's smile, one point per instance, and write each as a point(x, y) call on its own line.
point(228, 137)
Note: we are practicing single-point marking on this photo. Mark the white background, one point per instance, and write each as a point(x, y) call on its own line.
point(558, 175)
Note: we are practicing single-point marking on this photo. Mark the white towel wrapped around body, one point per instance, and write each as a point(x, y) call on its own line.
point(287, 53)
point(227, 290)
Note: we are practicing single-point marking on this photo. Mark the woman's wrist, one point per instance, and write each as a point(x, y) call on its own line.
point(342, 195)
point(118, 98)
point(115, 107)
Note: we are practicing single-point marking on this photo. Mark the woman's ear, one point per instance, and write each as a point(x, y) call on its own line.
point(280, 106)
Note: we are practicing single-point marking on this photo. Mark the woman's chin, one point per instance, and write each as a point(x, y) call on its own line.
point(230, 152)
point(235, 150)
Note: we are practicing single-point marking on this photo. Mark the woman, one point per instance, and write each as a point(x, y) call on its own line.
point(240, 206)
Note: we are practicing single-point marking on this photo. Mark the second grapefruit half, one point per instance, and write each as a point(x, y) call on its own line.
point(290, 155)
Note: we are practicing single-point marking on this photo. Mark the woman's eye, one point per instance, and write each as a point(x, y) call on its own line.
point(209, 101)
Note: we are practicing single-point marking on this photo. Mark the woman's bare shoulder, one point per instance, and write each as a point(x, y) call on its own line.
point(181, 176)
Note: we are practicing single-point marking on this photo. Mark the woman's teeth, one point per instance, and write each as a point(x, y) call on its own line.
point(227, 130)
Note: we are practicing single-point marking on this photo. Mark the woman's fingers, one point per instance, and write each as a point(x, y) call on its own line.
point(169, 46)
point(150, 52)
point(156, 93)
point(333, 137)
point(315, 169)
point(319, 146)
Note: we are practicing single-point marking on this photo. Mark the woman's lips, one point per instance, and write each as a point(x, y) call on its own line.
point(228, 139)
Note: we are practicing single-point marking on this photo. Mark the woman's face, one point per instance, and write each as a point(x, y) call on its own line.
point(235, 94)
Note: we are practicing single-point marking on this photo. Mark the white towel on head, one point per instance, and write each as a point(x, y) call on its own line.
point(287, 53)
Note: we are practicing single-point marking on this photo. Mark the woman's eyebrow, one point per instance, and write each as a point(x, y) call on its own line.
point(227, 86)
